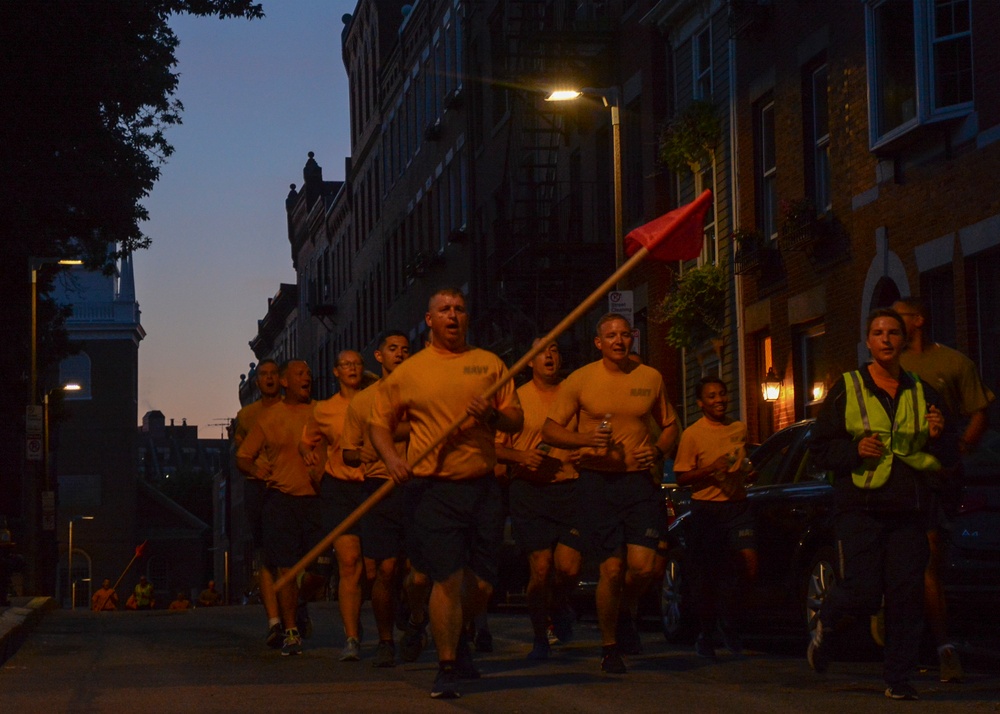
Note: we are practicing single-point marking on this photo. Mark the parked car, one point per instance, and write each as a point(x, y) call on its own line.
point(792, 502)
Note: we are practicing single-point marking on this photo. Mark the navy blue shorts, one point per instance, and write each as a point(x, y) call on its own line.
point(617, 509)
point(340, 499)
point(542, 515)
point(718, 527)
point(383, 529)
point(455, 525)
point(254, 490)
point(291, 527)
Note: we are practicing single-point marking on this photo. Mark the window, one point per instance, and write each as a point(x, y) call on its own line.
point(811, 371)
point(817, 121)
point(919, 64)
point(764, 154)
point(701, 61)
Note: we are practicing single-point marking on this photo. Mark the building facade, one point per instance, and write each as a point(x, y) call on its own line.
point(884, 119)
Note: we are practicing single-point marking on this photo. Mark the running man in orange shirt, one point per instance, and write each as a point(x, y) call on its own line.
point(454, 497)
point(616, 402)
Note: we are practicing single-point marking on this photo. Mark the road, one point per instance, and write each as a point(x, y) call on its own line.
point(213, 660)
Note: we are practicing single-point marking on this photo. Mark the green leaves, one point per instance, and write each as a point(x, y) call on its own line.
point(695, 307)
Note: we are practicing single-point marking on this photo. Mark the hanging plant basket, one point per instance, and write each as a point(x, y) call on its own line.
point(688, 140)
point(695, 307)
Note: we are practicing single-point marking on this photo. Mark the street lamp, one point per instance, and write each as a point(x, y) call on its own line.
point(37, 551)
point(34, 264)
point(72, 582)
point(46, 470)
point(610, 97)
point(770, 388)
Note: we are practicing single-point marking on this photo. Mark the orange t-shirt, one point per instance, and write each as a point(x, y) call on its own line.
point(328, 421)
point(558, 464)
point(276, 435)
point(245, 419)
point(431, 390)
point(705, 441)
point(633, 399)
point(356, 437)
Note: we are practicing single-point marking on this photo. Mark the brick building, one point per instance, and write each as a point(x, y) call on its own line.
point(867, 148)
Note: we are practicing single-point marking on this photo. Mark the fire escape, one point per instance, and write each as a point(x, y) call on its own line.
point(554, 255)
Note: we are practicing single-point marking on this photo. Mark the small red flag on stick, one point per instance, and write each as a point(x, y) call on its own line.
point(139, 550)
point(678, 235)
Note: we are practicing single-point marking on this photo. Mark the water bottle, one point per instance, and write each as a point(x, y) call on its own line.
point(605, 428)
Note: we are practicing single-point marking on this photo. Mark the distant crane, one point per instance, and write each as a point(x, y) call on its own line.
point(223, 424)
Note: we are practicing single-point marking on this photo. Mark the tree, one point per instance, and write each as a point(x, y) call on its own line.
point(88, 90)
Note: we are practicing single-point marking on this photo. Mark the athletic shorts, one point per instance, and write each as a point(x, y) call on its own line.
point(542, 515)
point(617, 509)
point(721, 526)
point(254, 490)
point(455, 525)
point(383, 529)
point(340, 499)
point(291, 527)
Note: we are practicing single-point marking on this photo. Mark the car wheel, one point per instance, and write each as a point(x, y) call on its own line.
point(821, 577)
point(674, 613)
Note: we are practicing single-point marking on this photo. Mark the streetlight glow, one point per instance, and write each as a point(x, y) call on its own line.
point(563, 95)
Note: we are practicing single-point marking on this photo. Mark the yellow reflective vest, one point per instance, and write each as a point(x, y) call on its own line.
point(904, 436)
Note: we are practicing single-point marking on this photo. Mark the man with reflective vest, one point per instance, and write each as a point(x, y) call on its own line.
point(881, 431)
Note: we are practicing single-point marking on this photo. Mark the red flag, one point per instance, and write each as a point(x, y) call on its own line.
point(678, 235)
point(140, 549)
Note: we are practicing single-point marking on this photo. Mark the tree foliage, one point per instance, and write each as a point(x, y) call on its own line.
point(88, 90)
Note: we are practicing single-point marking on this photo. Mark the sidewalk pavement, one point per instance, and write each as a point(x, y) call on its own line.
point(17, 621)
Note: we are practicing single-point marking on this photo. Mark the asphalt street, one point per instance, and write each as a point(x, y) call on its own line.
point(214, 660)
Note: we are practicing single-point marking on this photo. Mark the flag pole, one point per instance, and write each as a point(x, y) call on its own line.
point(384, 490)
point(139, 549)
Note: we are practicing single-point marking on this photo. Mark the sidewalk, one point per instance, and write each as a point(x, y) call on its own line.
point(17, 621)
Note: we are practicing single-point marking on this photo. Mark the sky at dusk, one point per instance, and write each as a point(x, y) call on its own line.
point(258, 96)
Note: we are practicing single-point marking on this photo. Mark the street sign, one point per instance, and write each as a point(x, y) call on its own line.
point(33, 420)
point(33, 448)
point(620, 301)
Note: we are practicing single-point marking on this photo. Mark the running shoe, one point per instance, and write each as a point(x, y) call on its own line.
point(385, 654)
point(612, 662)
point(951, 666)
point(292, 644)
point(704, 647)
point(351, 651)
point(445, 684)
point(903, 690)
point(275, 636)
point(540, 649)
point(413, 641)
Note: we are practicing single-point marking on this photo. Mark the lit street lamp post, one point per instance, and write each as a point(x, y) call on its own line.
point(610, 97)
point(39, 546)
point(69, 559)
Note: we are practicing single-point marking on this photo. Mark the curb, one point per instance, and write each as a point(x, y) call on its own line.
point(18, 620)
